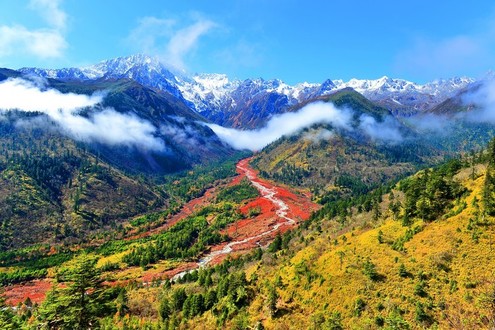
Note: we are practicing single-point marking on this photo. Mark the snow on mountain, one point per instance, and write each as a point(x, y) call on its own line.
point(215, 95)
point(146, 70)
point(403, 97)
point(385, 86)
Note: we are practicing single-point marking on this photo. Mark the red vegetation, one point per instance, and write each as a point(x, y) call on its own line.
point(36, 291)
point(245, 234)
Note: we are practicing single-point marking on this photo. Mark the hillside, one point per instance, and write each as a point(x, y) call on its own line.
point(320, 157)
point(460, 123)
point(68, 174)
point(415, 260)
point(163, 135)
point(54, 190)
point(416, 254)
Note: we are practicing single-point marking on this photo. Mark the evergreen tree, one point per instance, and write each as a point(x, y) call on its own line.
point(272, 300)
point(80, 304)
point(276, 244)
point(122, 303)
point(164, 309)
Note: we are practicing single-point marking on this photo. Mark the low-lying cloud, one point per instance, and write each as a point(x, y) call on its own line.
point(484, 99)
point(292, 122)
point(318, 135)
point(106, 126)
point(387, 130)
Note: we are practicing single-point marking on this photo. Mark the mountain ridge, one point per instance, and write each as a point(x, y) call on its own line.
point(220, 99)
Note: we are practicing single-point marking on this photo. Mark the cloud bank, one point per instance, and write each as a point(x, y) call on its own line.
point(46, 42)
point(107, 126)
point(292, 122)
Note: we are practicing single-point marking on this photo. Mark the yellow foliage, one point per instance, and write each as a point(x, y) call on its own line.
point(455, 270)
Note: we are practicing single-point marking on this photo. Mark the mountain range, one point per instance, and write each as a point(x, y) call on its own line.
point(250, 103)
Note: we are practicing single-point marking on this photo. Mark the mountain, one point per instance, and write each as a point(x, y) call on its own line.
point(53, 189)
point(462, 122)
point(405, 98)
point(146, 70)
point(369, 269)
point(251, 102)
point(66, 174)
point(179, 129)
point(323, 157)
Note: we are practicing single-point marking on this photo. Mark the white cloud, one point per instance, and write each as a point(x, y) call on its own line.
point(386, 130)
point(318, 135)
point(184, 41)
point(150, 33)
point(51, 12)
point(107, 126)
point(469, 51)
point(165, 39)
point(285, 124)
point(43, 42)
point(484, 98)
point(442, 58)
point(315, 113)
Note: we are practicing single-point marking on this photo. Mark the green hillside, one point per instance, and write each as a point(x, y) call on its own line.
point(411, 255)
point(322, 164)
point(54, 190)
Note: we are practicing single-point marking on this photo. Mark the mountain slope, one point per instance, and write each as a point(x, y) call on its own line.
point(69, 173)
point(322, 156)
point(166, 120)
point(405, 98)
point(379, 273)
point(462, 122)
point(53, 190)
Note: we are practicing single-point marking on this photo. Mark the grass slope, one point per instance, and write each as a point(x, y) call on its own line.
point(359, 277)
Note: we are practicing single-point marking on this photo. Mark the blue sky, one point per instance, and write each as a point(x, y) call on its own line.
point(292, 40)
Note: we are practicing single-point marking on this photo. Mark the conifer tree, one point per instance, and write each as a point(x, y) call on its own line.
point(80, 304)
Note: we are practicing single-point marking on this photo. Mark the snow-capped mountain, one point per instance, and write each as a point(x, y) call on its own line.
point(403, 97)
point(251, 102)
point(146, 70)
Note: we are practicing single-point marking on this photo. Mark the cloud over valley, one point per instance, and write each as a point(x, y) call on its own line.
point(315, 113)
point(105, 126)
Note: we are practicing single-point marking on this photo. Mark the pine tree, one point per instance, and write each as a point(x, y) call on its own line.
point(272, 300)
point(276, 244)
point(165, 309)
point(81, 303)
point(122, 303)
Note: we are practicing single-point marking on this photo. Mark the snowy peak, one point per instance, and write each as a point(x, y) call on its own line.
point(386, 85)
point(405, 98)
point(146, 70)
point(215, 95)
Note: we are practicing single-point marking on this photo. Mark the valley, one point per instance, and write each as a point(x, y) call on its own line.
point(279, 210)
